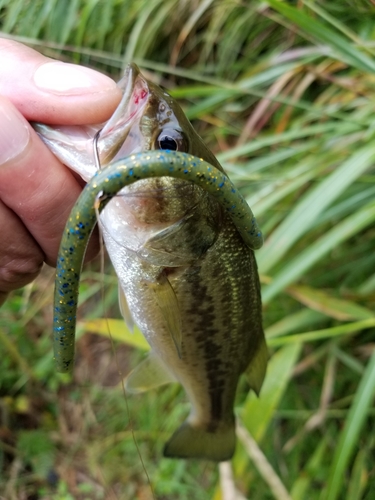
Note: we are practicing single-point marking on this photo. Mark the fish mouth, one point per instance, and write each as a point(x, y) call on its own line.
point(134, 100)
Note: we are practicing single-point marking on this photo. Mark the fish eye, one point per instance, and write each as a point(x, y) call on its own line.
point(173, 140)
point(167, 142)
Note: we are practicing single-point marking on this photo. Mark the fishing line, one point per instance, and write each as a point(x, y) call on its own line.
point(98, 200)
point(102, 257)
point(96, 151)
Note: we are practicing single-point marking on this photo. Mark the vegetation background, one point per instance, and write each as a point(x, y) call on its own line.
point(284, 94)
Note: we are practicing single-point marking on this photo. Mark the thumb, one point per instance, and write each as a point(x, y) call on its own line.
point(50, 91)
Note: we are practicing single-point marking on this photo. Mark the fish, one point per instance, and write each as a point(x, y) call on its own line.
point(187, 278)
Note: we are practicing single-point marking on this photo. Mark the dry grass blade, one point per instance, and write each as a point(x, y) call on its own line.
point(263, 466)
point(227, 484)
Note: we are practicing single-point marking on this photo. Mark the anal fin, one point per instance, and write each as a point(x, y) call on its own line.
point(149, 374)
point(124, 309)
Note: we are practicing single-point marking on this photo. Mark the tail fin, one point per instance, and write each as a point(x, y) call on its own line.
point(197, 442)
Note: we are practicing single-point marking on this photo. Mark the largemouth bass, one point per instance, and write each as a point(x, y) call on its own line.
point(187, 278)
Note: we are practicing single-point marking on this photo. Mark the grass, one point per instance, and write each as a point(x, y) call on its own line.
point(283, 92)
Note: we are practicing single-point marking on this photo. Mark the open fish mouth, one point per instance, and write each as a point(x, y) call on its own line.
point(111, 138)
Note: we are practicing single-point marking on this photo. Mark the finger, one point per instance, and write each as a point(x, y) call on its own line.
point(52, 91)
point(21, 258)
point(33, 183)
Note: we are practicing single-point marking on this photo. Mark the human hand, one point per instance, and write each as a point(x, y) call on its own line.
point(37, 192)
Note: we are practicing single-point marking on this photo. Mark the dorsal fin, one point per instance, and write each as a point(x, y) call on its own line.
point(256, 371)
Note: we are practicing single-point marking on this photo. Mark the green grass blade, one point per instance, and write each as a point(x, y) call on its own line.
point(294, 322)
point(290, 135)
point(334, 21)
point(325, 333)
point(359, 477)
point(116, 329)
point(312, 205)
point(311, 27)
point(313, 253)
point(256, 414)
point(337, 308)
point(307, 476)
point(348, 440)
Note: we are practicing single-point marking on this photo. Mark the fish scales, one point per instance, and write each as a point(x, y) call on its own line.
point(188, 278)
point(211, 310)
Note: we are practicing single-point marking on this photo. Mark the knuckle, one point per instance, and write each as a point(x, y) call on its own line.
point(17, 273)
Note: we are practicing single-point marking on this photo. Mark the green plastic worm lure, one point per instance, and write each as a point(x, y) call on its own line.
point(104, 186)
point(181, 240)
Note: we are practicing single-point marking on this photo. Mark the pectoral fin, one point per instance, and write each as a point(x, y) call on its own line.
point(166, 247)
point(168, 304)
point(147, 375)
point(124, 309)
point(171, 231)
point(256, 371)
point(184, 241)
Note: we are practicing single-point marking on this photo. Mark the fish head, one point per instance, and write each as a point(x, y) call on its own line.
point(157, 210)
point(148, 118)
